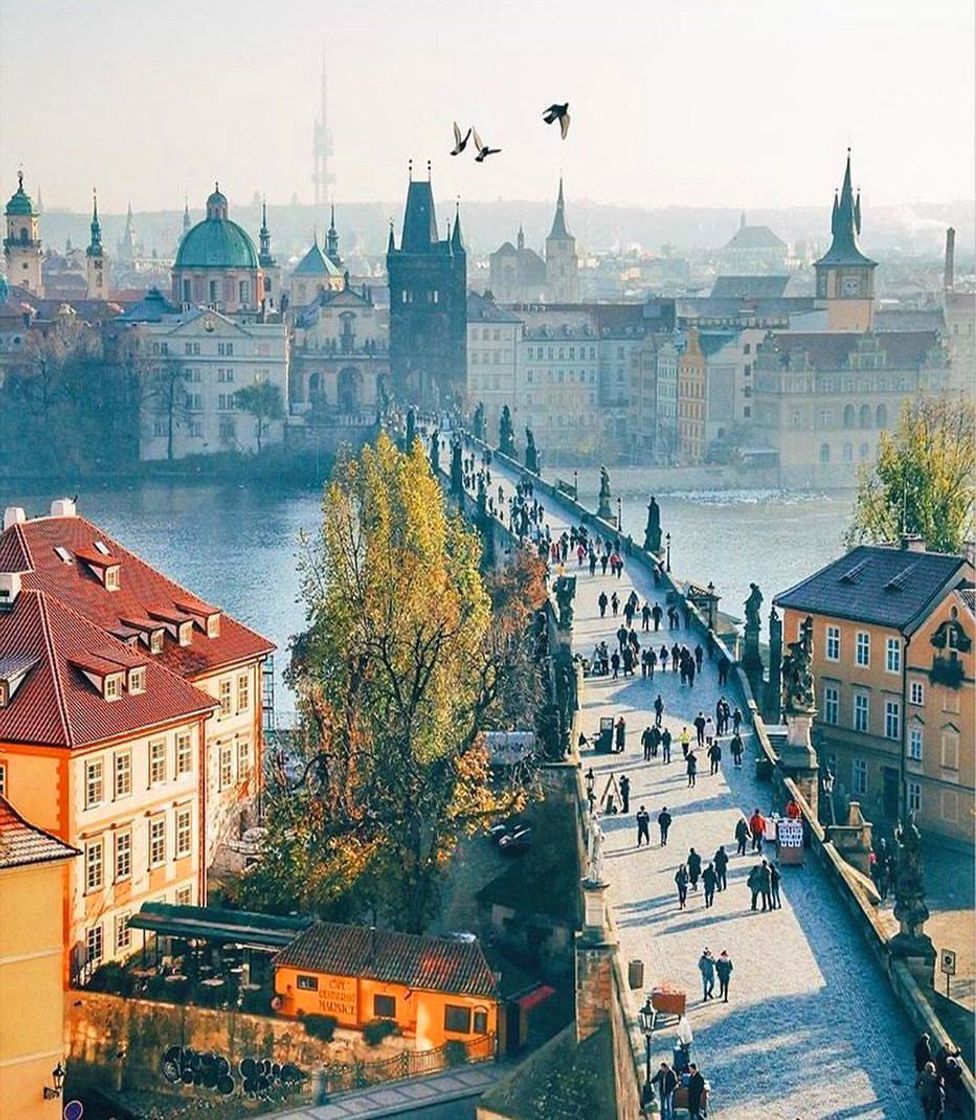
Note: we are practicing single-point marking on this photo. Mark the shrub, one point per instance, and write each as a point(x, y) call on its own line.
point(455, 1052)
point(112, 978)
point(320, 1026)
point(377, 1029)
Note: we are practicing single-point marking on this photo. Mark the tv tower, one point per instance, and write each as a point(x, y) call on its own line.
point(322, 148)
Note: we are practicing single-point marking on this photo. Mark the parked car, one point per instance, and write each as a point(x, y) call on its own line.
point(517, 841)
point(503, 828)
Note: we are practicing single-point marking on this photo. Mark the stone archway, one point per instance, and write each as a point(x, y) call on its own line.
point(349, 391)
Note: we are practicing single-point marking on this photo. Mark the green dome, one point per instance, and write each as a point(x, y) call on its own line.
point(20, 200)
point(216, 243)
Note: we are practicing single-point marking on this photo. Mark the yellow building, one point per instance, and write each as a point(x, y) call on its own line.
point(893, 662)
point(435, 990)
point(33, 864)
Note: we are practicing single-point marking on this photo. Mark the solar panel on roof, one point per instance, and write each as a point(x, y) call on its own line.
point(850, 576)
point(897, 581)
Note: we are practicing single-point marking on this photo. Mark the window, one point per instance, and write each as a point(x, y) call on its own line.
point(243, 758)
point(156, 641)
point(831, 701)
point(224, 697)
point(861, 712)
point(113, 687)
point(3, 779)
point(950, 700)
point(184, 832)
point(243, 692)
point(184, 753)
point(184, 896)
point(892, 719)
point(123, 935)
point(123, 774)
point(481, 1022)
point(137, 681)
point(226, 766)
point(833, 643)
point(93, 783)
point(94, 946)
point(185, 633)
point(157, 841)
point(914, 796)
point(112, 579)
point(916, 693)
point(863, 649)
point(950, 805)
point(213, 626)
point(123, 855)
point(457, 1019)
point(893, 655)
point(859, 776)
point(950, 749)
point(94, 865)
point(384, 1007)
point(307, 983)
point(825, 453)
point(915, 743)
point(157, 761)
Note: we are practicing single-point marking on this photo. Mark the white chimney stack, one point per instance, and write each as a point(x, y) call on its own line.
point(13, 515)
point(9, 589)
point(63, 507)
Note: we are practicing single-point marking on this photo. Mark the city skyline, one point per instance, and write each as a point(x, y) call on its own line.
point(103, 107)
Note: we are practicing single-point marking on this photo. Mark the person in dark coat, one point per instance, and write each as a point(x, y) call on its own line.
point(646, 744)
point(723, 670)
point(699, 657)
point(714, 756)
point(602, 604)
point(624, 785)
point(656, 614)
point(696, 1093)
point(664, 823)
point(620, 734)
point(709, 880)
point(694, 868)
point(922, 1052)
point(741, 836)
point(706, 966)
point(700, 728)
point(615, 664)
point(666, 1081)
point(643, 826)
point(766, 885)
point(774, 880)
point(721, 862)
point(754, 883)
point(681, 882)
point(735, 749)
point(691, 767)
point(665, 745)
point(723, 968)
point(658, 710)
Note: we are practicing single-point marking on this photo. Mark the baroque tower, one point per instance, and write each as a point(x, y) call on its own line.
point(270, 272)
point(845, 276)
point(22, 245)
point(562, 263)
point(95, 259)
point(428, 303)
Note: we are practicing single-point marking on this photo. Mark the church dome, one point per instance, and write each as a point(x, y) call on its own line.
point(216, 242)
point(20, 200)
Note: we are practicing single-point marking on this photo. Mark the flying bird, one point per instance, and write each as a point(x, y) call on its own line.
point(558, 113)
point(460, 142)
point(483, 150)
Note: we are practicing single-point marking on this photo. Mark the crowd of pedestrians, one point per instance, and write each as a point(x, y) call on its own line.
point(939, 1080)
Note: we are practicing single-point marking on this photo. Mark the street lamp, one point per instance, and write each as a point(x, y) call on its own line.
point(711, 605)
point(667, 555)
point(590, 781)
point(575, 486)
point(646, 1019)
point(57, 1076)
point(619, 521)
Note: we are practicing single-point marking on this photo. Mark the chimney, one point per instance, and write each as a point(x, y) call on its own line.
point(9, 589)
point(950, 260)
point(13, 515)
point(911, 542)
point(63, 507)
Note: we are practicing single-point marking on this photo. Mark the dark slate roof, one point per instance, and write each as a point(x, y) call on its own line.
point(482, 310)
point(419, 219)
point(909, 319)
point(878, 584)
point(315, 263)
point(152, 308)
point(559, 232)
point(845, 227)
point(830, 350)
point(22, 843)
point(429, 963)
point(755, 237)
point(749, 287)
point(713, 341)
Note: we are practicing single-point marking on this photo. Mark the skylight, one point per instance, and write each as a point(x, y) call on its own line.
point(63, 554)
point(851, 575)
point(897, 582)
point(102, 547)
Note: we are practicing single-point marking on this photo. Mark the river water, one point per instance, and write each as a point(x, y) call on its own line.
point(237, 546)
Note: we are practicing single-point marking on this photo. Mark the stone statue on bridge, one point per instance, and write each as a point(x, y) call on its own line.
point(506, 434)
point(652, 533)
point(565, 593)
point(753, 605)
point(531, 452)
point(435, 451)
point(411, 429)
point(457, 468)
point(603, 510)
point(594, 846)
point(798, 690)
point(478, 421)
point(910, 908)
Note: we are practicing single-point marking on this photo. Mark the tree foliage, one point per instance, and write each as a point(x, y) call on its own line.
point(263, 401)
point(923, 480)
point(404, 663)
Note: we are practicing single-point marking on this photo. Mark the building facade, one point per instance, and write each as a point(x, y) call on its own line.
point(517, 274)
point(893, 663)
point(428, 304)
point(754, 250)
point(22, 244)
point(494, 334)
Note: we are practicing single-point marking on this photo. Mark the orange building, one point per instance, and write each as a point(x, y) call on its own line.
point(33, 864)
point(894, 665)
point(434, 990)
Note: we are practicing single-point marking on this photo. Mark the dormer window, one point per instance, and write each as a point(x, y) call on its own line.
point(213, 626)
point(156, 641)
point(185, 632)
point(112, 686)
point(112, 578)
point(137, 680)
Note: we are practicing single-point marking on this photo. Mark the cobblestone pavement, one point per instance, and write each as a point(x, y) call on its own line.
point(811, 1029)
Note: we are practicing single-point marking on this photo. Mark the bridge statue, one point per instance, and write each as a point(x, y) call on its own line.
point(753, 605)
point(565, 593)
point(457, 468)
point(531, 452)
point(798, 689)
point(652, 533)
point(478, 421)
point(910, 908)
point(594, 862)
point(435, 451)
point(506, 435)
point(603, 510)
point(411, 429)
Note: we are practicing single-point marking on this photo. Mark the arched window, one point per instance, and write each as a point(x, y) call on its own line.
point(315, 383)
point(865, 419)
point(864, 450)
point(848, 452)
point(825, 453)
point(881, 417)
point(849, 416)
point(24, 236)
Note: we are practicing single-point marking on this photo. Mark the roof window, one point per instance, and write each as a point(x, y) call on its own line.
point(137, 680)
point(63, 554)
point(852, 574)
point(102, 547)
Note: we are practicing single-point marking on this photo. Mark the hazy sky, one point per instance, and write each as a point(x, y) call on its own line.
point(673, 102)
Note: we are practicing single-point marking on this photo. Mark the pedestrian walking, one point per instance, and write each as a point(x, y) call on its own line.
point(685, 740)
point(658, 710)
point(735, 748)
point(741, 836)
point(699, 657)
point(620, 734)
point(615, 664)
point(736, 721)
point(714, 756)
point(646, 743)
point(643, 827)
point(694, 862)
point(663, 658)
point(766, 885)
point(646, 617)
point(664, 824)
point(723, 670)
point(696, 1093)
point(603, 563)
point(709, 731)
point(602, 604)
point(757, 829)
point(754, 883)
point(723, 969)
point(709, 881)
point(624, 786)
point(706, 966)
point(614, 604)
point(774, 881)
point(681, 882)
point(700, 728)
point(656, 614)
point(721, 863)
point(665, 745)
point(691, 766)
point(666, 1081)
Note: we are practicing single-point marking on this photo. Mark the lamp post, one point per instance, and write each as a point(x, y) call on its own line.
point(575, 486)
point(646, 1019)
point(57, 1076)
point(590, 781)
point(711, 605)
point(620, 523)
point(667, 555)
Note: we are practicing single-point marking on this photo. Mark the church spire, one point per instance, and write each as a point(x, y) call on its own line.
point(332, 239)
point(391, 242)
point(186, 213)
point(95, 246)
point(265, 259)
point(559, 230)
point(457, 244)
point(845, 223)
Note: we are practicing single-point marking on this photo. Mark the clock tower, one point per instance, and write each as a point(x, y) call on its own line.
point(95, 260)
point(845, 276)
point(22, 245)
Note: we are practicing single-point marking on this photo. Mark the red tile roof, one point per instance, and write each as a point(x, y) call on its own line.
point(22, 843)
point(56, 704)
point(144, 593)
point(428, 963)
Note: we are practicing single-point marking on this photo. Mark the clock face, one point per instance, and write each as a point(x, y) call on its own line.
point(851, 286)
